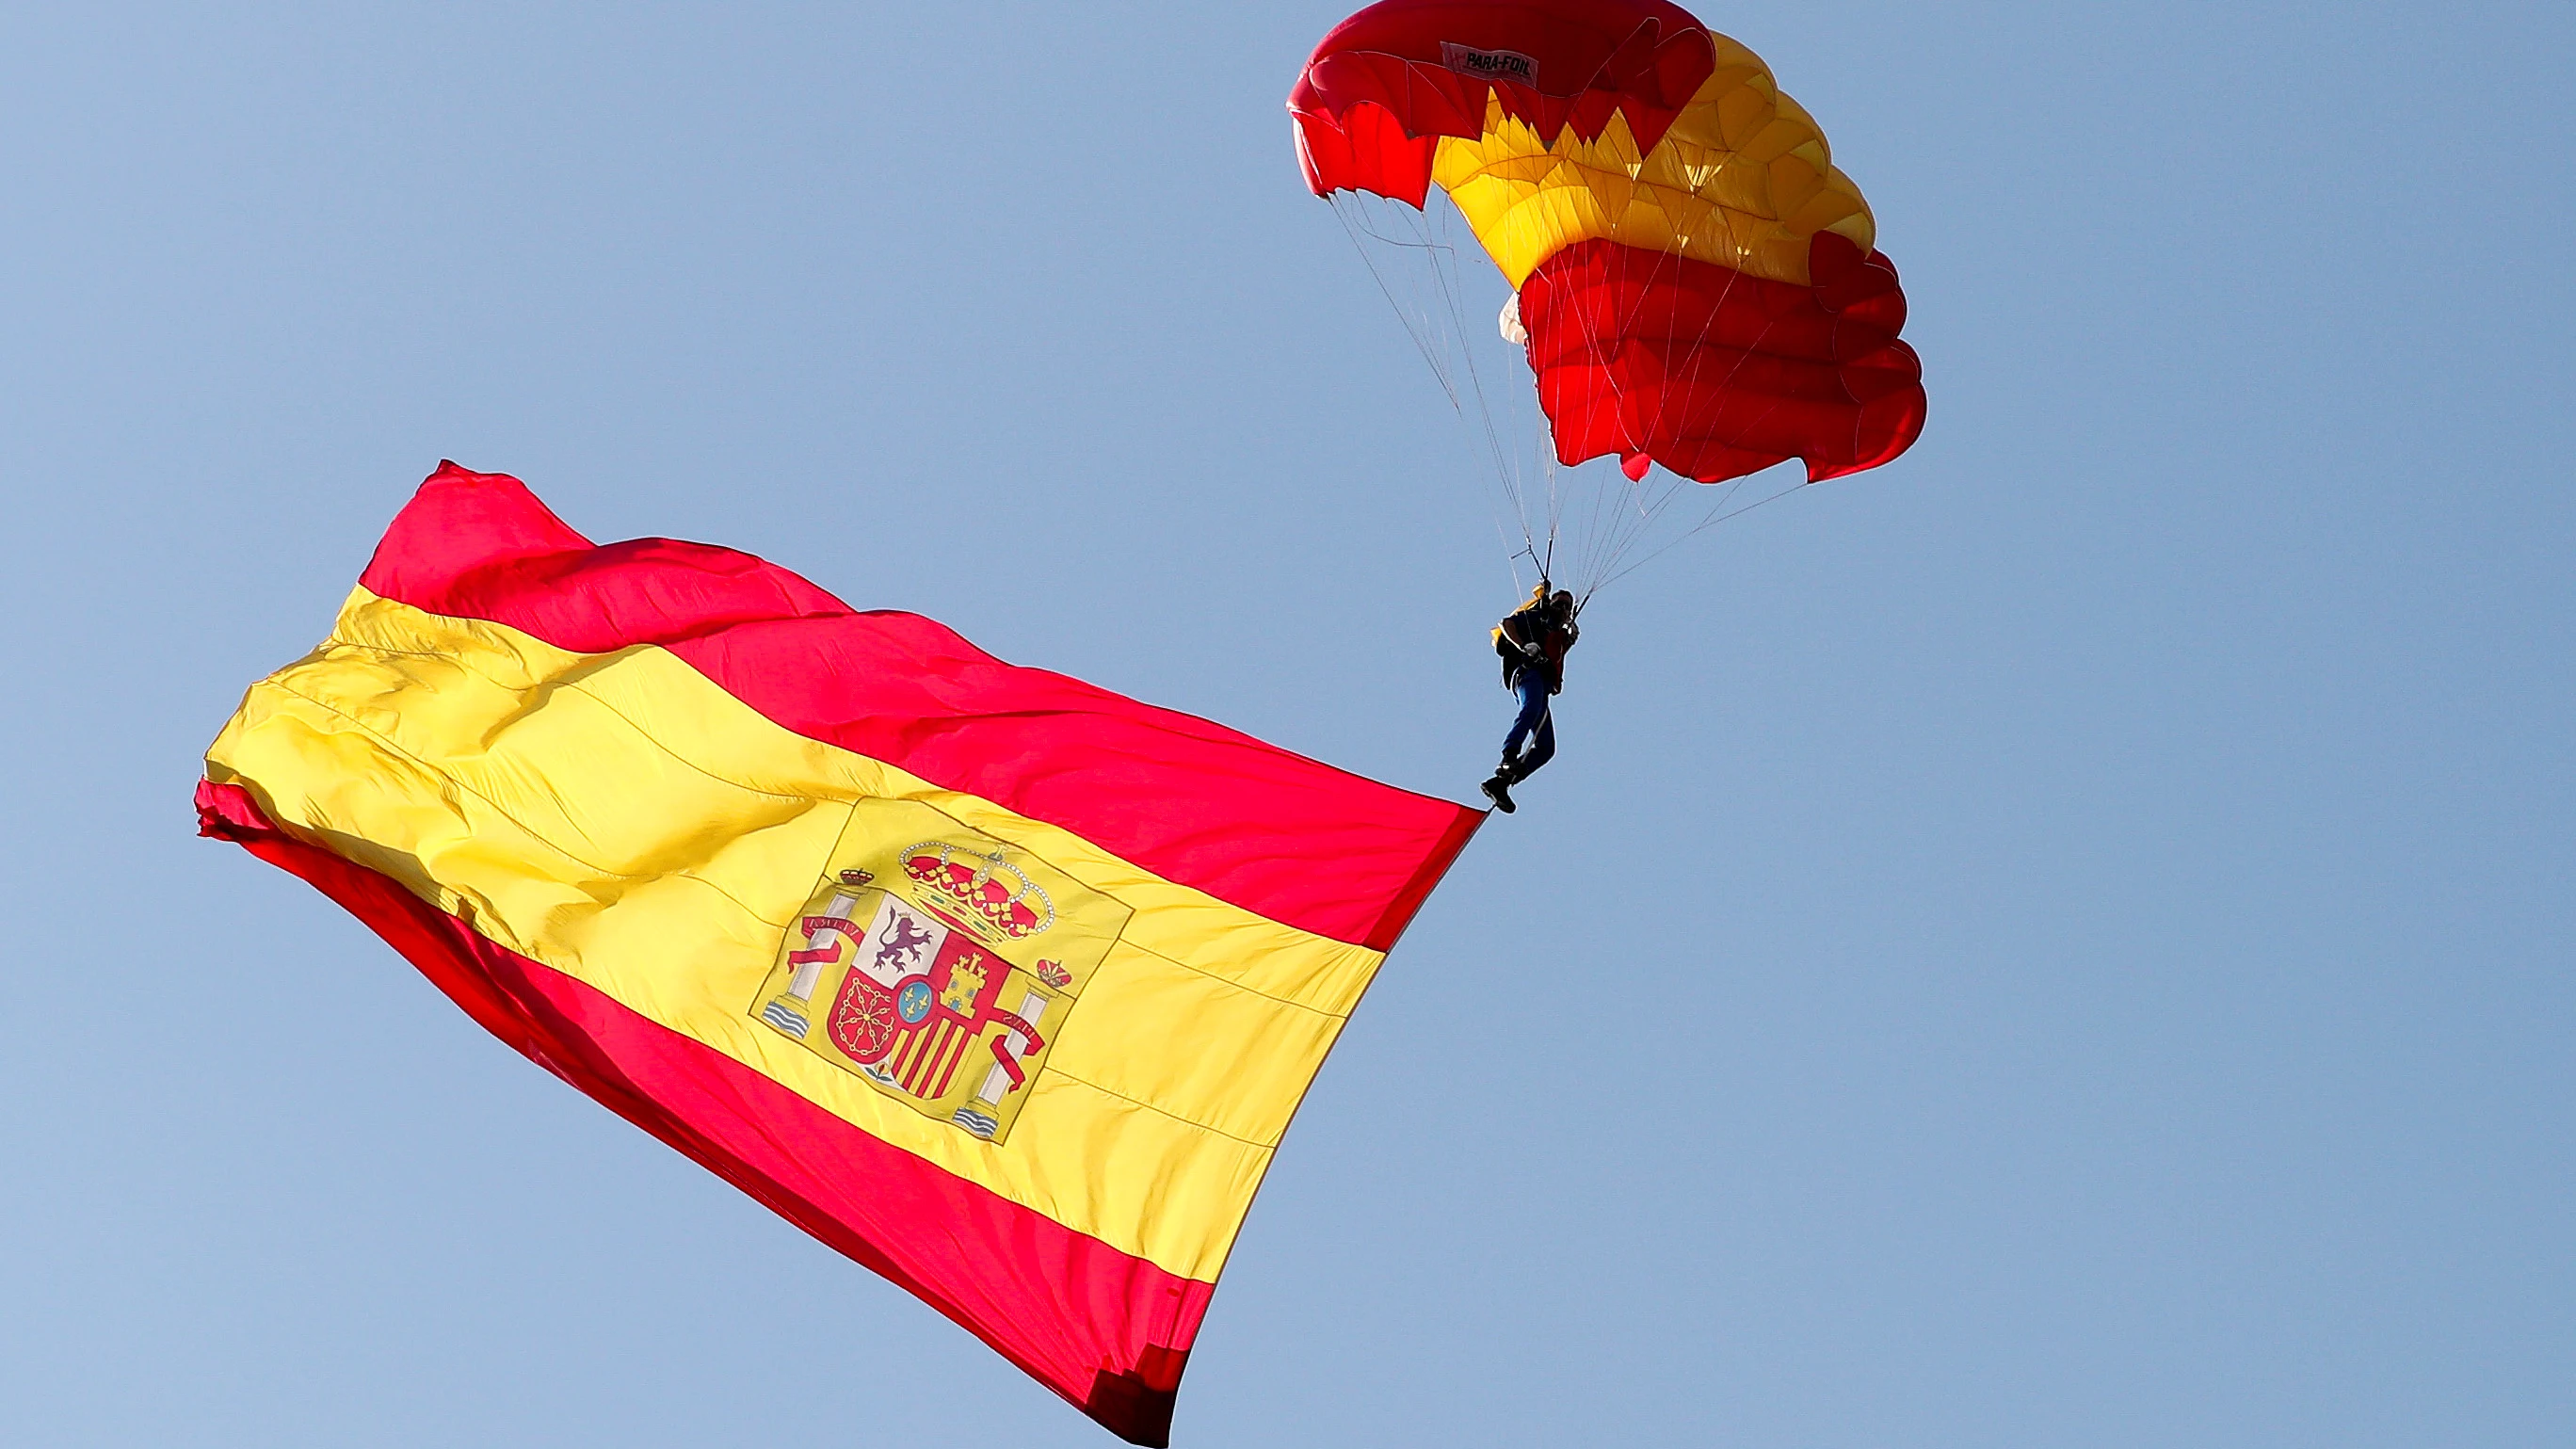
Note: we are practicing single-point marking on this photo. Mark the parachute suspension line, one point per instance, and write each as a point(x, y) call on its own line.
point(1713, 520)
point(1555, 473)
point(1719, 510)
point(1443, 238)
point(1445, 230)
point(1604, 516)
point(1450, 285)
point(1589, 540)
point(1577, 533)
point(1653, 503)
point(1455, 239)
point(1646, 496)
point(1415, 330)
point(1624, 512)
point(1428, 333)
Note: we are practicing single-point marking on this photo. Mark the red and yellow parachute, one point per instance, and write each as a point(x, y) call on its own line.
point(1000, 984)
point(1697, 284)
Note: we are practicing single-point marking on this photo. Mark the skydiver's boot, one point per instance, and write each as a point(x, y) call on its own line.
point(1498, 789)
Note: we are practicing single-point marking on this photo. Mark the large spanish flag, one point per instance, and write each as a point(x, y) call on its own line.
point(1003, 985)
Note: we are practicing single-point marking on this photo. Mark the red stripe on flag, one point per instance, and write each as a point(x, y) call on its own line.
point(1196, 803)
point(1108, 1331)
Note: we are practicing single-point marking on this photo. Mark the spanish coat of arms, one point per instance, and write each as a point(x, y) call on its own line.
point(937, 963)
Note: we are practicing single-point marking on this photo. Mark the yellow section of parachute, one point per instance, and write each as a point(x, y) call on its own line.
point(1743, 179)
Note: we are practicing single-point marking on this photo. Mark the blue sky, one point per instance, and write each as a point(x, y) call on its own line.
point(2062, 940)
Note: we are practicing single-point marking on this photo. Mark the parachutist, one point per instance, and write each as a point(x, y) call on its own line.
point(1532, 640)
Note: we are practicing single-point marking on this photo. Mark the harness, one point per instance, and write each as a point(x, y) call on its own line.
point(1540, 624)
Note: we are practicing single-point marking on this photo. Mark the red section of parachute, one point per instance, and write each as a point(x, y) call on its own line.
point(1394, 77)
point(1714, 373)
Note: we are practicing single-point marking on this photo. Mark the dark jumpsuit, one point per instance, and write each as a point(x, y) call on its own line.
point(1534, 680)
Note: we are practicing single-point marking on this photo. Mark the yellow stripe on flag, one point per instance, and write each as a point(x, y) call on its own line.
point(622, 819)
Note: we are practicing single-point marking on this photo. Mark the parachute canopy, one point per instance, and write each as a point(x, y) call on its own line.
point(1001, 984)
point(1697, 284)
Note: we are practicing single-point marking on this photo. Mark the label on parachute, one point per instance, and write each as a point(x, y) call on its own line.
point(937, 963)
point(1508, 65)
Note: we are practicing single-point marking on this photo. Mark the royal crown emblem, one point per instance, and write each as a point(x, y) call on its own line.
point(988, 885)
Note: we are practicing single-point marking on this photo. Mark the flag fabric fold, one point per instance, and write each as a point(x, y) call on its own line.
point(1003, 985)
